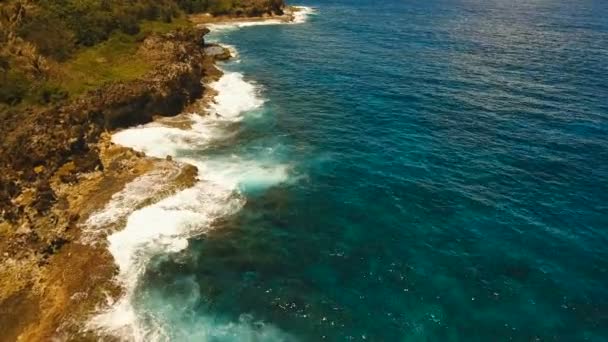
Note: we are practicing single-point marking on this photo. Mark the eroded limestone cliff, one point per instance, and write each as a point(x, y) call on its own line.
point(57, 166)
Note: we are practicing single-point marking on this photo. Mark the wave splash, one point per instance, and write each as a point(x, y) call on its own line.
point(300, 15)
point(166, 226)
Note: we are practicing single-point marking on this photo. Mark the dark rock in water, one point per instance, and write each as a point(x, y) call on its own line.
point(212, 50)
point(217, 52)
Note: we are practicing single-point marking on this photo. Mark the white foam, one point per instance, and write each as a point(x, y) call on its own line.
point(122, 203)
point(166, 226)
point(240, 24)
point(160, 141)
point(237, 173)
point(161, 228)
point(235, 96)
point(183, 317)
point(300, 15)
point(156, 141)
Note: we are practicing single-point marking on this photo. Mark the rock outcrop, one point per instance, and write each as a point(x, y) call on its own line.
point(36, 143)
point(58, 166)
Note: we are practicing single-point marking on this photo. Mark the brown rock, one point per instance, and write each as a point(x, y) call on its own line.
point(57, 166)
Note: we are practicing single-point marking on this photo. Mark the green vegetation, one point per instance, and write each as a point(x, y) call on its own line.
point(17, 87)
point(114, 59)
point(148, 27)
point(52, 49)
point(13, 86)
point(236, 7)
point(89, 22)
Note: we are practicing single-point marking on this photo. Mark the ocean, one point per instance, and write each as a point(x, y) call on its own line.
point(386, 171)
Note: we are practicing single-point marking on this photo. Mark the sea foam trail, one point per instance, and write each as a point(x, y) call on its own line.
point(300, 15)
point(166, 226)
point(134, 195)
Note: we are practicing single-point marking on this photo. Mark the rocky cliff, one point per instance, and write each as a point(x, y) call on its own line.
point(36, 143)
point(57, 163)
point(57, 166)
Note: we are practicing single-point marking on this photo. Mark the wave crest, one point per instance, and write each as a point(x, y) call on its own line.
point(166, 226)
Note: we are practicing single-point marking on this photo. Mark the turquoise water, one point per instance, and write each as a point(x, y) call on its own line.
point(442, 176)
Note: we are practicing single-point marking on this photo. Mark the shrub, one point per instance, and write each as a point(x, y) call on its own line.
point(14, 86)
point(48, 94)
point(220, 6)
point(49, 33)
point(128, 24)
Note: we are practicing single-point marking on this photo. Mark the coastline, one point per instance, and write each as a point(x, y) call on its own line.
point(77, 276)
point(54, 271)
point(171, 221)
point(300, 183)
point(292, 14)
point(42, 297)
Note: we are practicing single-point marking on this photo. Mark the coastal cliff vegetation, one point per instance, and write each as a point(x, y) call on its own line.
point(70, 71)
point(57, 54)
point(53, 49)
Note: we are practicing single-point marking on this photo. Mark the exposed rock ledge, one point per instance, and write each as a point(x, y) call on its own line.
point(58, 166)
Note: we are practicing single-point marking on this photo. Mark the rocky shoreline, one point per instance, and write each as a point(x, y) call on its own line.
point(59, 166)
point(288, 14)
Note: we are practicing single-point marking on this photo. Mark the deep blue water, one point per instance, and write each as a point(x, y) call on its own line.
point(448, 180)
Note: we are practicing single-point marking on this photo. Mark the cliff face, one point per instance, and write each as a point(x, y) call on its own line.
point(36, 143)
point(57, 166)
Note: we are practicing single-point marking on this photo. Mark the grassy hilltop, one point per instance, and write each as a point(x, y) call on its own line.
point(54, 49)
